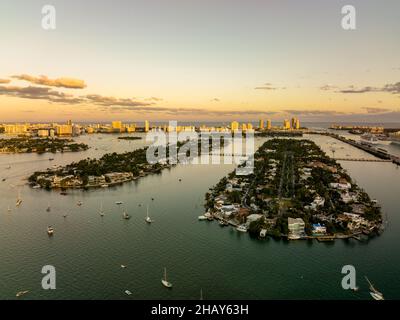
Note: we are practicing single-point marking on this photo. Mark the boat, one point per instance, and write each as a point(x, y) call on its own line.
point(19, 200)
point(164, 281)
point(126, 216)
point(241, 228)
point(128, 292)
point(36, 186)
point(63, 193)
point(48, 209)
point(79, 203)
point(104, 185)
point(223, 223)
point(51, 159)
point(118, 202)
point(148, 219)
point(202, 218)
point(123, 266)
point(374, 292)
point(9, 209)
point(101, 211)
point(394, 137)
point(50, 230)
point(369, 138)
point(21, 293)
point(201, 294)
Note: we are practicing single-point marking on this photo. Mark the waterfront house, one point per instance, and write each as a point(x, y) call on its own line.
point(296, 228)
point(318, 229)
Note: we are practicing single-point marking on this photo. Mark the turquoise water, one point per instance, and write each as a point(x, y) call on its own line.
point(87, 250)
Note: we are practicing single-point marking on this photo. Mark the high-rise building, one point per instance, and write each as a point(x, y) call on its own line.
point(297, 124)
point(249, 126)
point(69, 122)
point(234, 126)
point(293, 123)
point(64, 130)
point(244, 127)
point(286, 124)
point(16, 128)
point(116, 126)
point(261, 125)
point(146, 126)
point(269, 126)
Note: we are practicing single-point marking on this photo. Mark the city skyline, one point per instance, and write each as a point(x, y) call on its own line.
point(163, 62)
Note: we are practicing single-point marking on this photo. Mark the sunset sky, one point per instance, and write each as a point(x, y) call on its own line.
point(199, 60)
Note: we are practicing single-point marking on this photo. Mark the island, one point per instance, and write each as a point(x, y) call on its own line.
point(40, 145)
point(130, 138)
point(295, 192)
point(110, 169)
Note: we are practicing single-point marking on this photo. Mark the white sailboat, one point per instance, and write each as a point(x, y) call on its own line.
point(126, 216)
point(148, 219)
point(9, 209)
point(101, 211)
point(373, 292)
point(164, 281)
point(48, 207)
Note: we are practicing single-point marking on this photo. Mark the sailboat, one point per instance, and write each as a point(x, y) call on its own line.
point(201, 294)
point(50, 230)
point(373, 292)
point(126, 216)
point(164, 281)
point(9, 209)
point(148, 219)
point(48, 207)
point(101, 211)
point(19, 200)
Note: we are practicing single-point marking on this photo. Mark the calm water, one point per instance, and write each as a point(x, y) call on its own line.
point(87, 250)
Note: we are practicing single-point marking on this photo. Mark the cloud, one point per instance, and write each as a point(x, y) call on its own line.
point(69, 83)
point(390, 88)
point(327, 87)
point(4, 81)
point(112, 101)
point(308, 112)
point(268, 86)
point(154, 99)
point(375, 110)
point(39, 93)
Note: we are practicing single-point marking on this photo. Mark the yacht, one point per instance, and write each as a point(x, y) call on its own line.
point(395, 137)
point(202, 218)
point(128, 292)
point(9, 209)
point(374, 292)
point(369, 138)
point(118, 202)
point(50, 230)
point(79, 203)
point(164, 281)
point(148, 219)
point(126, 216)
point(48, 209)
point(241, 228)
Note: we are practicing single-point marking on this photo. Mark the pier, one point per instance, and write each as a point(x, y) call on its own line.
point(363, 159)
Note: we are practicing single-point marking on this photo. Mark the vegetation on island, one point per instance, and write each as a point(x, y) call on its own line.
point(40, 145)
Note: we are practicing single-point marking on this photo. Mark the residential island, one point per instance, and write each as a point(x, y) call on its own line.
point(295, 191)
point(111, 169)
point(40, 145)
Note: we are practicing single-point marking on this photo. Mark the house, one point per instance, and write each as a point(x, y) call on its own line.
point(318, 229)
point(296, 228)
point(318, 202)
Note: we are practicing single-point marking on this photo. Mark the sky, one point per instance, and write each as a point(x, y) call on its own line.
point(199, 60)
